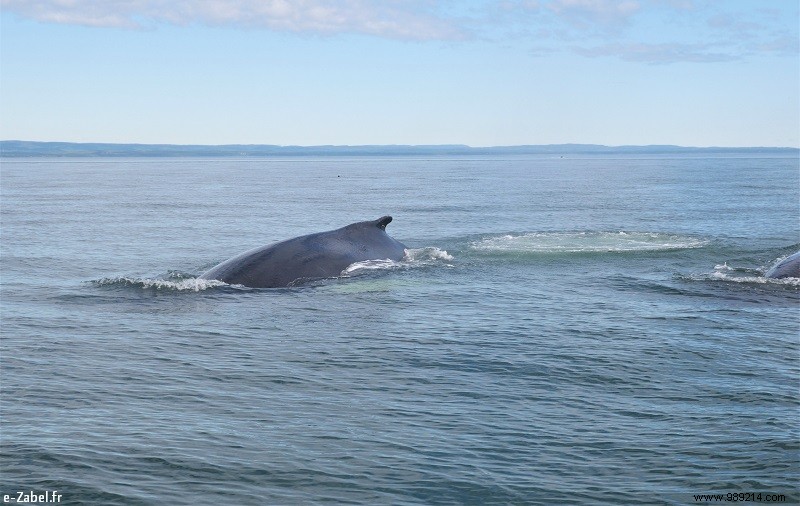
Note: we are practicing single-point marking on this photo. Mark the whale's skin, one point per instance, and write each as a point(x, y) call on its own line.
point(789, 267)
point(309, 257)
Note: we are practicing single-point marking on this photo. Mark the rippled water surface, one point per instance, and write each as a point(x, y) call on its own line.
point(577, 330)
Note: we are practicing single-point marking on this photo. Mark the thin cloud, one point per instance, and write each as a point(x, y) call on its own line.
point(585, 13)
point(785, 45)
point(628, 30)
point(757, 33)
point(625, 29)
point(659, 53)
point(412, 20)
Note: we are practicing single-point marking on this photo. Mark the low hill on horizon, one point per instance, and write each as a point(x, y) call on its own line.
point(16, 149)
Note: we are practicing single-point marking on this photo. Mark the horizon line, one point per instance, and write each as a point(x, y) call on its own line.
point(335, 146)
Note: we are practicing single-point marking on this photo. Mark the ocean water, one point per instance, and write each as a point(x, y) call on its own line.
point(576, 330)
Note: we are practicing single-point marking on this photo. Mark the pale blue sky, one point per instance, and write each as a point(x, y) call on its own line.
point(482, 72)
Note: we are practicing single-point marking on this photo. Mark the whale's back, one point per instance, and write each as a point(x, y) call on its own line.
point(308, 257)
point(789, 267)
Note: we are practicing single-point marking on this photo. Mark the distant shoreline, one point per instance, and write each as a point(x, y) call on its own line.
point(24, 149)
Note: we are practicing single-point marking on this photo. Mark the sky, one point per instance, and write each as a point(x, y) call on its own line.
point(355, 72)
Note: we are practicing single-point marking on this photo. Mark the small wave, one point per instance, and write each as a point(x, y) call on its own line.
point(417, 257)
point(431, 254)
point(587, 242)
point(370, 265)
point(178, 285)
point(724, 273)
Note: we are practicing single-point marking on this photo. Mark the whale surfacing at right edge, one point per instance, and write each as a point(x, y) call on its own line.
point(789, 267)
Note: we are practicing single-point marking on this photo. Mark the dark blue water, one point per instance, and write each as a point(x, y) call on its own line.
point(564, 331)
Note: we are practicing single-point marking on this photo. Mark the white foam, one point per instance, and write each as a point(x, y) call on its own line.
point(181, 285)
point(429, 254)
point(587, 242)
point(722, 275)
point(370, 265)
point(414, 257)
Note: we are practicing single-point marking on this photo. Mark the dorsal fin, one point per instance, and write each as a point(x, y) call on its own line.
point(382, 222)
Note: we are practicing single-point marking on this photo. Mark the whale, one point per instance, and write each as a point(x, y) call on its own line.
point(309, 257)
point(788, 267)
